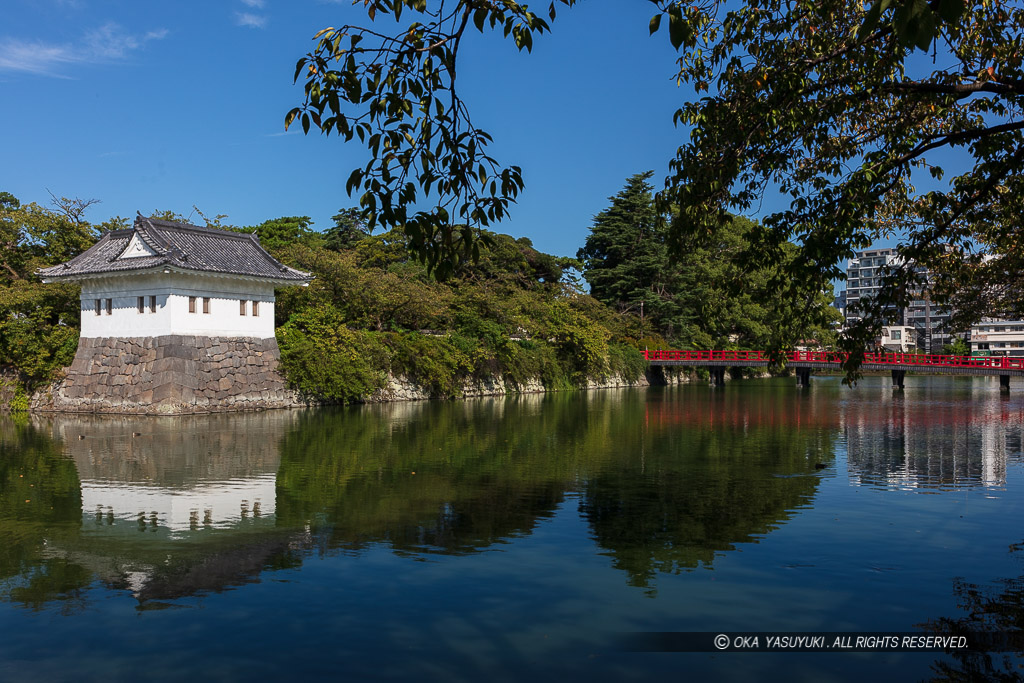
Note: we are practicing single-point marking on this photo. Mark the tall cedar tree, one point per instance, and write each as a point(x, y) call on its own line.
point(625, 257)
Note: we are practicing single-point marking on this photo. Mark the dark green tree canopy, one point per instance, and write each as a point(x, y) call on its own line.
point(703, 297)
point(349, 228)
point(624, 256)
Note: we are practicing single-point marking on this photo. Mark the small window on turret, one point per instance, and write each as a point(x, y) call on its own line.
point(241, 307)
point(206, 304)
point(152, 303)
point(110, 306)
point(191, 304)
point(98, 306)
point(142, 304)
point(255, 309)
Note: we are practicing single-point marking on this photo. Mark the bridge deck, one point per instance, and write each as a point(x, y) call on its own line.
point(823, 360)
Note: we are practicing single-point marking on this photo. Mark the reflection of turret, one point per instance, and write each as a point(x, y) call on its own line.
point(952, 440)
point(172, 506)
point(177, 474)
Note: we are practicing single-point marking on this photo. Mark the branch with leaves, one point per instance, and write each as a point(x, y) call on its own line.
point(397, 95)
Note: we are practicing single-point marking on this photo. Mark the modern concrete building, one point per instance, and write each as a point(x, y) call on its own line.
point(998, 337)
point(864, 275)
point(898, 338)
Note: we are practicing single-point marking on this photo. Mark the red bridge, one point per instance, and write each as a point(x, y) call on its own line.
point(805, 361)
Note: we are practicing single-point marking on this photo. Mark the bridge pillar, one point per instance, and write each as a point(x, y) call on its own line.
point(897, 379)
point(1004, 382)
point(718, 375)
point(803, 377)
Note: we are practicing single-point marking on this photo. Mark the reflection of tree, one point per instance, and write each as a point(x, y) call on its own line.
point(685, 495)
point(39, 499)
point(456, 478)
point(997, 610)
point(436, 477)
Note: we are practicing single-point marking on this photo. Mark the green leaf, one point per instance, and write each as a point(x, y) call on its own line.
point(951, 10)
point(871, 19)
point(655, 23)
point(678, 30)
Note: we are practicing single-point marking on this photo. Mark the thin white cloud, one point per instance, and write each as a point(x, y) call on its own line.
point(255, 4)
point(251, 20)
point(33, 56)
point(108, 43)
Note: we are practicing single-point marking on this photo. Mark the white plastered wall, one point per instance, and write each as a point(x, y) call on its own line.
point(172, 316)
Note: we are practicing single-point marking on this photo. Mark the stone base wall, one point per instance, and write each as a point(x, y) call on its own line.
point(170, 375)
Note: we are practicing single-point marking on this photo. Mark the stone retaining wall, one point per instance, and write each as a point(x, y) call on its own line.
point(178, 374)
point(170, 375)
point(400, 388)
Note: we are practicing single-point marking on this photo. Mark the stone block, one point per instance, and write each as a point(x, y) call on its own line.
point(166, 393)
point(179, 351)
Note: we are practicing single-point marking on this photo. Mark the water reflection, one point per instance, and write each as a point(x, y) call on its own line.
point(40, 502)
point(168, 508)
point(947, 434)
point(744, 464)
point(991, 612)
point(665, 481)
point(162, 507)
point(174, 475)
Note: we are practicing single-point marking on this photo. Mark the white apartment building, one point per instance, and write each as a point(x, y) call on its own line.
point(898, 338)
point(998, 337)
point(864, 275)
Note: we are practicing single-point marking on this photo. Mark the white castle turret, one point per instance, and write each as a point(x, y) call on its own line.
point(175, 318)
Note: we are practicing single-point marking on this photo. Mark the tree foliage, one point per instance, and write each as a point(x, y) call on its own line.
point(829, 104)
point(833, 106)
point(38, 323)
point(397, 94)
point(505, 315)
point(704, 297)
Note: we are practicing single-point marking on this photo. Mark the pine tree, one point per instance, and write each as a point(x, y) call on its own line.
point(625, 257)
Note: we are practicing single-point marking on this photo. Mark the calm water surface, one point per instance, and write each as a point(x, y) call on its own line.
point(514, 538)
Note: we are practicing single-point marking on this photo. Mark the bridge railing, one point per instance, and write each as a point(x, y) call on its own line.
point(837, 358)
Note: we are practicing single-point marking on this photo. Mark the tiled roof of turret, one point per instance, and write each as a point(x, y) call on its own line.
point(183, 246)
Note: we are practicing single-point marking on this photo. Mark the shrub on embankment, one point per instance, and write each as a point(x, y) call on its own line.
point(372, 312)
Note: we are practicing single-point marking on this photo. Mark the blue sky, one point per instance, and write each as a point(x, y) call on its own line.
point(150, 106)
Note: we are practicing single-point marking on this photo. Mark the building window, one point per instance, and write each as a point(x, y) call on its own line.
point(152, 303)
point(241, 307)
point(255, 309)
point(110, 306)
point(191, 304)
point(206, 304)
point(97, 306)
point(142, 304)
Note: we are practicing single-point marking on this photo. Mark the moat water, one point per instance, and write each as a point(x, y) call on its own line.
point(517, 538)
